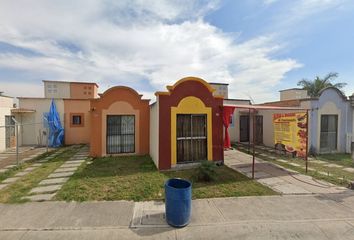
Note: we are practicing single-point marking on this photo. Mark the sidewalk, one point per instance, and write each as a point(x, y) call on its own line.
point(325, 216)
point(282, 180)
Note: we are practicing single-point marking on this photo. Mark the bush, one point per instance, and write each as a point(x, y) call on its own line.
point(206, 172)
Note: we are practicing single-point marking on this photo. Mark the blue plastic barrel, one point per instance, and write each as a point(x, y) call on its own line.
point(178, 200)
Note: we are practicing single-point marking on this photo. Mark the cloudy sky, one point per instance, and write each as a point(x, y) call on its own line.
point(257, 46)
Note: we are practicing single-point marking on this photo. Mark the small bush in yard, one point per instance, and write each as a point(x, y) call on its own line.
point(206, 172)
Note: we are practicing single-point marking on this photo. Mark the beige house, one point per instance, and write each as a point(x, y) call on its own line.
point(31, 115)
point(239, 128)
point(70, 90)
point(72, 101)
point(6, 134)
point(293, 93)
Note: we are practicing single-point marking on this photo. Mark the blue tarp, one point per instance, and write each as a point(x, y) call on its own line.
point(56, 131)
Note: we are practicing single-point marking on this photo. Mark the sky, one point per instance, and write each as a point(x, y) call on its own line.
point(257, 46)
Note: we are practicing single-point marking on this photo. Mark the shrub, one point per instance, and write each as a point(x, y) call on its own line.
point(206, 172)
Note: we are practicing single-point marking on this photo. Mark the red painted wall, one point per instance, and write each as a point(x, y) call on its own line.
point(182, 90)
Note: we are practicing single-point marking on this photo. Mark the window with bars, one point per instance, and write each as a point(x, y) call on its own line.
point(76, 120)
point(120, 134)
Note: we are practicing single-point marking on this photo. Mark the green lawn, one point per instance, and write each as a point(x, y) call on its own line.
point(343, 159)
point(14, 192)
point(136, 178)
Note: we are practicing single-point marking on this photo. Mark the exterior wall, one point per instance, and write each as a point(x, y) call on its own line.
point(331, 102)
point(154, 133)
point(221, 90)
point(77, 134)
point(234, 128)
point(56, 89)
point(6, 104)
point(178, 99)
point(268, 127)
point(32, 132)
point(119, 101)
point(83, 90)
point(292, 94)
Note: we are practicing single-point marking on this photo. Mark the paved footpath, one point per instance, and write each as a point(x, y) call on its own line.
point(324, 216)
point(48, 187)
point(8, 181)
point(280, 179)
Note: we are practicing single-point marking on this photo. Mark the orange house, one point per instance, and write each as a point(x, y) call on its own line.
point(120, 122)
point(77, 121)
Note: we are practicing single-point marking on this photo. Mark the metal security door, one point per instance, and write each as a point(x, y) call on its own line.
point(329, 132)
point(244, 128)
point(191, 137)
point(9, 132)
point(120, 134)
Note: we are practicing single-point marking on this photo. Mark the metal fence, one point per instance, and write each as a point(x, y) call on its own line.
point(16, 137)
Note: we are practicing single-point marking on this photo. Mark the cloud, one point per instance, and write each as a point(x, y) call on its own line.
point(268, 2)
point(143, 44)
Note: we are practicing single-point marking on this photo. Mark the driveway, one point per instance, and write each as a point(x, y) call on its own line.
point(282, 180)
point(318, 216)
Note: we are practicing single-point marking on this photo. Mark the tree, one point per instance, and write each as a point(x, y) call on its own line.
point(315, 86)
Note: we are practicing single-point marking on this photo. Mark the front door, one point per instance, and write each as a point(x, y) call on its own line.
point(120, 134)
point(329, 131)
point(244, 128)
point(191, 137)
point(10, 140)
point(259, 130)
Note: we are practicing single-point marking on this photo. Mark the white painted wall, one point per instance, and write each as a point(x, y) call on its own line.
point(154, 132)
point(234, 129)
point(268, 127)
point(6, 103)
point(31, 133)
point(53, 89)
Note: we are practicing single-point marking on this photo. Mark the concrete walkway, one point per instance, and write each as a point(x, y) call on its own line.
point(282, 180)
point(48, 187)
point(320, 216)
point(8, 158)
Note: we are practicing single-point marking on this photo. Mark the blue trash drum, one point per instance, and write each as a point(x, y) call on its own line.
point(178, 200)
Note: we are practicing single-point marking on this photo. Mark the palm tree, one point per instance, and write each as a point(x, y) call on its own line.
point(315, 86)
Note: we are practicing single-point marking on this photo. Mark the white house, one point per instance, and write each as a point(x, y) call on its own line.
point(6, 133)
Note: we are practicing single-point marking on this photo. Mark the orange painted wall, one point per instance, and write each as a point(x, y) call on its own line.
point(77, 134)
point(119, 101)
point(83, 90)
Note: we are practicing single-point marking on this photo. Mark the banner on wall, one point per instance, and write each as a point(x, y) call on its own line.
point(290, 132)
